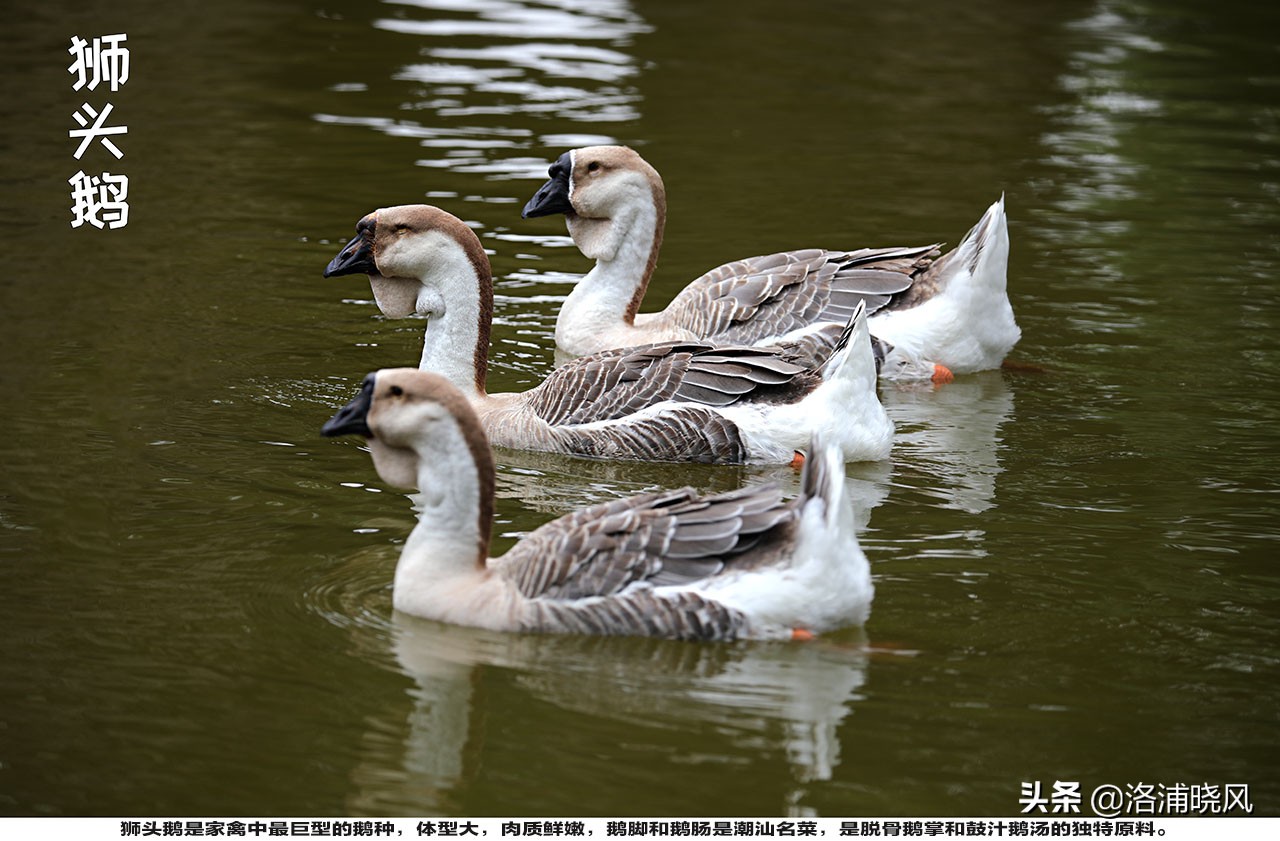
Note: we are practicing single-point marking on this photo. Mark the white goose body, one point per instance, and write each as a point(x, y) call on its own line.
point(743, 564)
point(667, 401)
point(953, 312)
point(967, 323)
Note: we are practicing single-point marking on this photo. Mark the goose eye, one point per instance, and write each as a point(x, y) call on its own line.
point(396, 391)
point(593, 166)
point(401, 227)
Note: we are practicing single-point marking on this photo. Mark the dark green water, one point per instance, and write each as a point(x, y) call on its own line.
point(1075, 565)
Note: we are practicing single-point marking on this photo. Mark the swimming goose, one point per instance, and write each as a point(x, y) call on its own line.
point(742, 564)
point(951, 311)
point(671, 401)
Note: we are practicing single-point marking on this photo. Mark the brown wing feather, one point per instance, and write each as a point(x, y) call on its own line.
point(684, 433)
point(616, 384)
point(750, 300)
point(611, 384)
point(661, 539)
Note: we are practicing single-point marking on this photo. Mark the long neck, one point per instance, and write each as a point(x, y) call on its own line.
point(458, 301)
point(625, 248)
point(455, 510)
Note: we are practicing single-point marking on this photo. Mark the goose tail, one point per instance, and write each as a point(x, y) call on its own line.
point(846, 402)
point(855, 357)
point(822, 479)
point(982, 256)
point(842, 589)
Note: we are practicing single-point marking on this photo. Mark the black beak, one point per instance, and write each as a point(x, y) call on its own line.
point(357, 256)
point(553, 196)
point(353, 418)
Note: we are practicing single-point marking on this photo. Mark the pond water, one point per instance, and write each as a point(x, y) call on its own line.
point(1075, 559)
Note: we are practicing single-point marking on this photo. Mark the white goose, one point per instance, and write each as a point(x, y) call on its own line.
point(743, 564)
point(942, 316)
point(674, 401)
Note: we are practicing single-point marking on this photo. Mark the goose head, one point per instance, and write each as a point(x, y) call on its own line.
point(602, 191)
point(423, 434)
point(422, 260)
point(407, 414)
point(901, 366)
point(409, 252)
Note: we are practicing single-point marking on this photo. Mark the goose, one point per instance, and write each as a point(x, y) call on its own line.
point(672, 401)
point(735, 565)
point(943, 315)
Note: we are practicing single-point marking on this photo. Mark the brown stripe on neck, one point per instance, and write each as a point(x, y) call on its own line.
point(485, 471)
point(481, 453)
point(659, 225)
point(484, 277)
point(464, 236)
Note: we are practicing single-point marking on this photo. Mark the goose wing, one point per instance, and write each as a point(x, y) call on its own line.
point(686, 432)
point(750, 300)
point(660, 539)
point(617, 384)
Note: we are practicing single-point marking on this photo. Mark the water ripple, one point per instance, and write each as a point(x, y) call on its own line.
point(603, 20)
point(356, 593)
point(558, 61)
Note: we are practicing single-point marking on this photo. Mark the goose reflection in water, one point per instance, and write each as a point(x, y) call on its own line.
point(725, 704)
point(953, 434)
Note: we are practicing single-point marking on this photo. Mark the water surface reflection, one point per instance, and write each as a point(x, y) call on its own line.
point(721, 704)
point(492, 66)
point(952, 434)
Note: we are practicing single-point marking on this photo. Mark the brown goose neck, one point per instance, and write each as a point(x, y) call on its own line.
point(659, 225)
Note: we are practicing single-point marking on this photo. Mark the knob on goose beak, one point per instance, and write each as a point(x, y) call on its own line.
point(553, 196)
point(356, 257)
point(353, 418)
